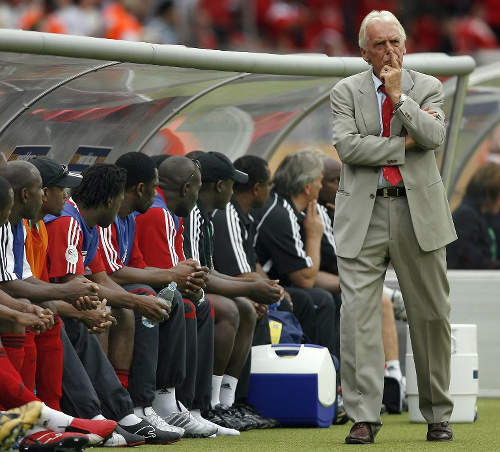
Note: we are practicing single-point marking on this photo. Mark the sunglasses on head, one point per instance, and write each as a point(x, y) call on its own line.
point(197, 167)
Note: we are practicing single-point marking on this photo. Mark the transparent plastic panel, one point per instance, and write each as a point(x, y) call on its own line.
point(313, 132)
point(112, 110)
point(479, 138)
point(24, 77)
point(244, 116)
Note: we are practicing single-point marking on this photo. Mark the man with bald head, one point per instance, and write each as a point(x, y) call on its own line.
point(15, 273)
point(160, 351)
point(159, 234)
point(330, 183)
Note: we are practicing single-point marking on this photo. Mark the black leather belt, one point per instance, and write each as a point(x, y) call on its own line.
point(391, 192)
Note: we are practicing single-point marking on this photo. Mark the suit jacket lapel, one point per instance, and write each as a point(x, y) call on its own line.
point(369, 105)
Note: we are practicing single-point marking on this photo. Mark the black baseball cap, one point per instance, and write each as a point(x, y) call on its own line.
point(216, 166)
point(56, 175)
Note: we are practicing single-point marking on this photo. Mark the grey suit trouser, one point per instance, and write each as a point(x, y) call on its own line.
point(423, 282)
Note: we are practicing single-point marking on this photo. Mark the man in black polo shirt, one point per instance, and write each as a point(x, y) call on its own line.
point(235, 315)
point(237, 256)
point(234, 255)
point(288, 243)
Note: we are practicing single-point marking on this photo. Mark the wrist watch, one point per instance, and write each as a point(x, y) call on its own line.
point(398, 104)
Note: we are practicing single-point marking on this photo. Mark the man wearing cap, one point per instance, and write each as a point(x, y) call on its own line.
point(235, 315)
point(55, 178)
point(43, 353)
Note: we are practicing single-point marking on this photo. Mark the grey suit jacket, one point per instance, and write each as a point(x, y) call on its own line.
point(356, 130)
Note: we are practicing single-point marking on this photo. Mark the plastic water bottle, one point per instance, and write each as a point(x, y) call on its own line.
point(167, 294)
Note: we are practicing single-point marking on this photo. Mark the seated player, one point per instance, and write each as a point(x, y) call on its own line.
point(159, 233)
point(96, 201)
point(235, 315)
point(177, 338)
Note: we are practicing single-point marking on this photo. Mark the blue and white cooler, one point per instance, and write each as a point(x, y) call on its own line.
point(293, 383)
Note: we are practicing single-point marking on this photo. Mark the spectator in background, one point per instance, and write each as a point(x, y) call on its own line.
point(161, 28)
point(120, 22)
point(476, 247)
point(471, 32)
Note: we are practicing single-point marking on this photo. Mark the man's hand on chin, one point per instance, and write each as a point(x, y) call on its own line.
point(390, 74)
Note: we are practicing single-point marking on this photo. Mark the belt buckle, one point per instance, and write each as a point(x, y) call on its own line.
point(385, 192)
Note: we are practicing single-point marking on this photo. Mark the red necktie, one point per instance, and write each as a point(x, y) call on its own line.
point(391, 173)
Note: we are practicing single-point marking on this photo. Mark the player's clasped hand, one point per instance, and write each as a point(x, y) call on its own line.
point(32, 321)
point(99, 319)
point(81, 293)
point(265, 292)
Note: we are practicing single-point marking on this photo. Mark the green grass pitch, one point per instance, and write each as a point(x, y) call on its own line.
point(397, 434)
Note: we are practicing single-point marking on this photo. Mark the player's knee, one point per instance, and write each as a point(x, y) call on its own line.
point(247, 313)
point(125, 319)
point(226, 311)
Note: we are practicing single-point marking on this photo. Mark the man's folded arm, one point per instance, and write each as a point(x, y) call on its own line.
point(354, 148)
point(427, 130)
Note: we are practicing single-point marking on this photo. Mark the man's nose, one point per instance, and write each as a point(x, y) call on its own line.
point(388, 47)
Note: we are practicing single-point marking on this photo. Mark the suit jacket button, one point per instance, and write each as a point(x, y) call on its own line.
point(372, 196)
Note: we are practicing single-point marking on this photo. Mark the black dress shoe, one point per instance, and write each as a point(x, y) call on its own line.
point(439, 432)
point(361, 433)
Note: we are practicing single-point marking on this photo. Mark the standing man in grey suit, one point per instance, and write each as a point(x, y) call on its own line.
point(391, 205)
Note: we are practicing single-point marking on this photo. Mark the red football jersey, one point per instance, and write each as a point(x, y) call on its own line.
point(160, 242)
point(64, 254)
point(110, 251)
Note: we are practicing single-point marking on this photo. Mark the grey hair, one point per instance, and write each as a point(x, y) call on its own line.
point(296, 171)
point(384, 16)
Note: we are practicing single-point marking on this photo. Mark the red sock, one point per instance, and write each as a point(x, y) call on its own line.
point(123, 376)
point(14, 346)
point(28, 370)
point(13, 392)
point(49, 366)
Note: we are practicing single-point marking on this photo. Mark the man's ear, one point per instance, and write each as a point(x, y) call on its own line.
point(184, 189)
point(139, 189)
point(364, 55)
point(24, 195)
point(256, 189)
point(307, 189)
point(219, 186)
point(44, 196)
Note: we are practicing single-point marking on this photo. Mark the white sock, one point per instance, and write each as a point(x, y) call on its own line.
point(216, 383)
point(165, 402)
point(129, 419)
point(53, 420)
point(99, 417)
point(395, 368)
point(228, 390)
